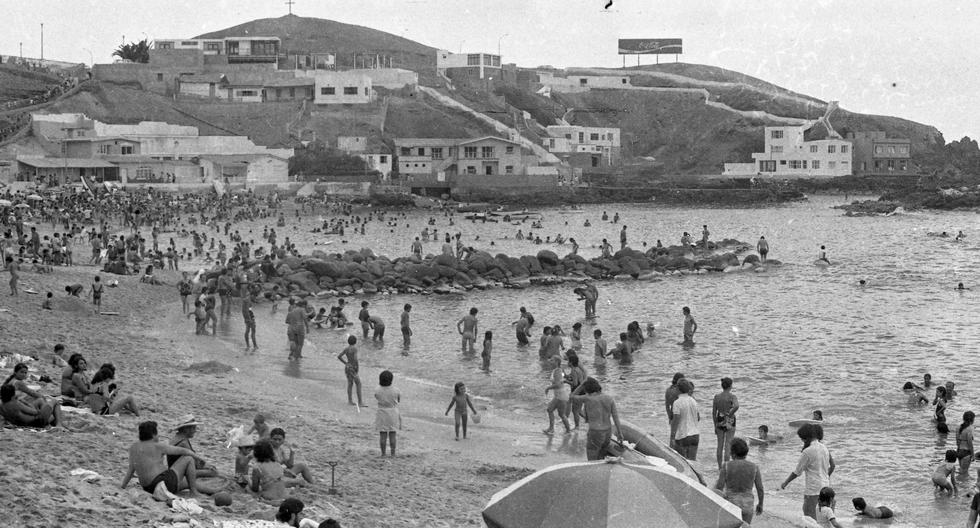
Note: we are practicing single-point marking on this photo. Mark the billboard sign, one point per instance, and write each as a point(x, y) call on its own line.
point(668, 46)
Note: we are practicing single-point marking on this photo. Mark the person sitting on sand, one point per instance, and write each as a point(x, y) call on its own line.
point(185, 430)
point(877, 512)
point(22, 414)
point(146, 461)
point(24, 392)
point(74, 379)
point(286, 456)
point(105, 397)
point(268, 476)
point(288, 514)
point(259, 427)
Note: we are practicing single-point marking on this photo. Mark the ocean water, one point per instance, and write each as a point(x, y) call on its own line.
point(794, 338)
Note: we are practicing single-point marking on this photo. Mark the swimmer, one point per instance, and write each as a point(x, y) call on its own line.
point(862, 282)
point(960, 287)
point(818, 415)
point(766, 436)
point(823, 254)
point(876, 512)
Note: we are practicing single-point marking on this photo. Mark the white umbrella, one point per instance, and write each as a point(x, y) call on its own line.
point(22, 206)
point(34, 197)
point(5, 203)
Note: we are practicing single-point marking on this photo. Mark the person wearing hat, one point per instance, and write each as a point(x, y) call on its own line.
point(146, 462)
point(186, 429)
point(243, 460)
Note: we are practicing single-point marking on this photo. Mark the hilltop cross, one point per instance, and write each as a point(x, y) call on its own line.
point(290, 4)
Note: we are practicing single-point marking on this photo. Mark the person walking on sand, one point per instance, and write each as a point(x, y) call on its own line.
point(690, 326)
point(461, 400)
point(184, 289)
point(297, 326)
point(249, 317)
point(600, 413)
point(723, 410)
point(348, 357)
point(704, 236)
point(97, 290)
point(387, 420)
point(14, 268)
point(467, 327)
point(147, 461)
point(559, 402)
point(763, 248)
point(622, 238)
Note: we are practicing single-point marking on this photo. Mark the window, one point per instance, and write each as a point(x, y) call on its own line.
point(903, 165)
point(509, 169)
point(266, 48)
point(382, 159)
point(804, 164)
point(877, 164)
point(510, 150)
point(782, 162)
point(551, 144)
point(864, 165)
point(470, 169)
point(611, 138)
point(814, 148)
point(350, 90)
point(143, 173)
point(831, 149)
point(212, 46)
point(328, 90)
point(103, 149)
point(486, 152)
point(405, 151)
point(891, 149)
point(624, 80)
point(903, 149)
point(436, 152)
point(568, 136)
point(165, 45)
point(583, 82)
point(489, 170)
point(815, 164)
point(891, 165)
point(473, 59)
point(879, 149)
point(469, 152)
point(278, 93)
point(159, 77)
point(795, 164)
point(843, 149)
point(776, 134)
point(775, 149)
point(232, 48)
point(495, 60)
point(292, 93)
point(767, 166)
point(127, 149)
point(593, 137)
point(595, 161)
point(421, 151)
point(581, 137)
point(247, 93)
point(831, 165)
point(189, 43)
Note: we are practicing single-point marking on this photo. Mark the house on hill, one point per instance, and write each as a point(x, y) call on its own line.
point(878, 155)
point(149, 152)
point(591, 149)
point(789, 155)
point(441, 165)
point(377, 155)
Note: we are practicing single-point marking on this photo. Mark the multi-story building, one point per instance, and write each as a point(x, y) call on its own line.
point(875, 154)
point(581, 83)
point(237, 50)
point(789, 155)
point(592, 149)
point(340, 87)
point(445, 164)
point(477, 70)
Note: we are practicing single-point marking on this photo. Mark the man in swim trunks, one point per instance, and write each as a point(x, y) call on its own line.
point(467, 327)
point(763, 248)
point(363, 316)
point(600, 413)
point(690, 326)
point(147, 461)
point(297, 327)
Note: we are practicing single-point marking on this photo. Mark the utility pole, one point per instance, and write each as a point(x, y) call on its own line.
point(42, 40)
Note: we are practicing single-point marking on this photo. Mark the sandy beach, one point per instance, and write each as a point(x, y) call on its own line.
point(434, 480)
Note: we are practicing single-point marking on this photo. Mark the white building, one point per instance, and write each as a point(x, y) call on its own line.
point(340, 87)
point(476, 61)
point(567, 139)
point(582, 83)
point(376, 158)
point(788, 155)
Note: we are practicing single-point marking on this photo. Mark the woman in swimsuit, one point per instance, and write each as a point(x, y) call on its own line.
point(267, 474)
point(105, 398)
point(74, 380)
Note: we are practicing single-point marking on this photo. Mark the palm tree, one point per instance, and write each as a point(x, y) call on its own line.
point(134, 51)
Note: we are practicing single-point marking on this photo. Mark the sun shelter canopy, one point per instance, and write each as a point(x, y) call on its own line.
point(60, 163)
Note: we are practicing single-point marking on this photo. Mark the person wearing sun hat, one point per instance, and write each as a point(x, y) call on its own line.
point(186, 428)
point(243, 459)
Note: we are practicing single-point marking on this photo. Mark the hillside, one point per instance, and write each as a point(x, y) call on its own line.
point(304, 35)
point(17, 83)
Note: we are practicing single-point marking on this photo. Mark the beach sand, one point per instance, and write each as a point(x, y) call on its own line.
point(434, 480)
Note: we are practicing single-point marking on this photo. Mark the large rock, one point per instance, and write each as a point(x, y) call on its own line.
point(446, 260)
point(532, 264)
point(293, 262)
point(751, 259)
point(548, 258)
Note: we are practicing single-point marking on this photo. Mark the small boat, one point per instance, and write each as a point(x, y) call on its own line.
point(648, 445)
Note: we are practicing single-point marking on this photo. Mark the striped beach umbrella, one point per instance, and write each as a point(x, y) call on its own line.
point(603, 494)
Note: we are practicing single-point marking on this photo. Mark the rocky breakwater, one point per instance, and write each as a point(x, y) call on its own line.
point(363, 272)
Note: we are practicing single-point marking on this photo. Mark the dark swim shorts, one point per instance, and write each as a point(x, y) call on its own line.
point(169, 479)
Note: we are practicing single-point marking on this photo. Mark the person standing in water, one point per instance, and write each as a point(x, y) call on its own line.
point(823, 254)
point(467, 327)
point(763, 248)
point(690, 326)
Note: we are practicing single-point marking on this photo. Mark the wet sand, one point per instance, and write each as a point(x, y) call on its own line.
point(434, 480)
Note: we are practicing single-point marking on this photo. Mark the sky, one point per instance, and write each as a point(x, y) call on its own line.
point(911, 59)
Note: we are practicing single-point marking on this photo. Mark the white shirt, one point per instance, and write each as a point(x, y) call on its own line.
point(815, 464)
point(686, 412)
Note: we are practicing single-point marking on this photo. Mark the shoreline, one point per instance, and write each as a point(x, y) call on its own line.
point(441, 482)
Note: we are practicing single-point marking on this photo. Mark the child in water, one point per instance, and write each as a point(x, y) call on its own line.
point(825, 508)
point(487, 349)
point(877, 512)
point(941, 477)
point(766, 437)
point(576, 337)
point(461, 400)
point(600, 349)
